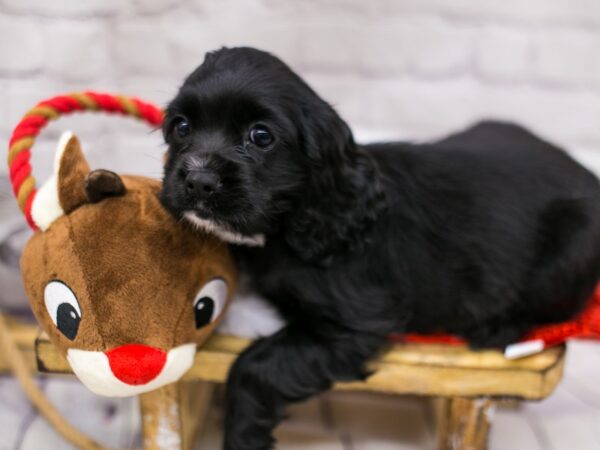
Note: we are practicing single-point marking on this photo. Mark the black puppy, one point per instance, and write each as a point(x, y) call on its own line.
point(482, 234)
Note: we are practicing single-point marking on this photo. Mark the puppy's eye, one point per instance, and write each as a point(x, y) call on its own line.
point(181, 127)
point(261, 136)
point(63, 308)
point(209, 302)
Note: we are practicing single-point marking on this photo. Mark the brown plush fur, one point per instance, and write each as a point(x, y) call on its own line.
point(133, 268)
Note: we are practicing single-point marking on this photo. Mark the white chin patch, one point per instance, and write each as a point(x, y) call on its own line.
point(93, 370)
point(257, 240)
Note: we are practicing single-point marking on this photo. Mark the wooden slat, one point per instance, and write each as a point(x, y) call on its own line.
point(406, 369)
point(434, 370)
point(195, 398)
point(457, 381)
point(460, 356)
point(49, 360)
point(24, 335)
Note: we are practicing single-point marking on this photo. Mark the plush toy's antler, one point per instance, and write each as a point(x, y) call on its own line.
point(23, 137)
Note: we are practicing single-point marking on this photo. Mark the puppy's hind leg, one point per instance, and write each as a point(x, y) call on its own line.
point(563, 273)
point(496, 334)
point(566, 266)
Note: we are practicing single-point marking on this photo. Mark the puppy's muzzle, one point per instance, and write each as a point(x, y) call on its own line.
point(201, 184)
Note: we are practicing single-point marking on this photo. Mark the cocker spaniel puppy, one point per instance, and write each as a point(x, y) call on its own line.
point(481, 234)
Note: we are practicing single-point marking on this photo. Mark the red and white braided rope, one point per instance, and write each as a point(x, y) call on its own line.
point(25, 133)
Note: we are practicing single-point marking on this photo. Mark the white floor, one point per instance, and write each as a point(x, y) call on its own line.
point(568, 420)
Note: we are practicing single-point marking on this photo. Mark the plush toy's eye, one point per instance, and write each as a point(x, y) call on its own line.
point(210, 301)
point(63, 308)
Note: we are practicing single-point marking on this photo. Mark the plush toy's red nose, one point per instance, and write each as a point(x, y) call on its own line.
point(135, 363)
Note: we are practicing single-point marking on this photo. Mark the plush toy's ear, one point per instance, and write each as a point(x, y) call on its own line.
point(101, 183)
point(65, 190)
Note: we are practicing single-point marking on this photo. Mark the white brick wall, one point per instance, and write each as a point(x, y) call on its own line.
point(76, 50)
point(410, 69)
point(23, 56)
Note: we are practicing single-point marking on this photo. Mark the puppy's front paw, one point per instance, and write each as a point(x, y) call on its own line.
point(248, 426)
point(248, 440)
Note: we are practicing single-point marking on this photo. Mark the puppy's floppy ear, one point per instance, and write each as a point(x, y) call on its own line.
point(343, 196)
point(325, 135)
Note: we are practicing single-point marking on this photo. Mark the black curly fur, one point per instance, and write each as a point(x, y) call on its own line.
point(482, 234)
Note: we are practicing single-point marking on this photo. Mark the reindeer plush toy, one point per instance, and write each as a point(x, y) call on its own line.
point(123, 290)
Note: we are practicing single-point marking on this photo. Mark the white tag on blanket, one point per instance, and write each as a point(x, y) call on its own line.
point(522, 349)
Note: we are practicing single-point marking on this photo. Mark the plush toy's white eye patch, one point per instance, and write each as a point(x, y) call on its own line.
point(210, 301)
point(63, 308)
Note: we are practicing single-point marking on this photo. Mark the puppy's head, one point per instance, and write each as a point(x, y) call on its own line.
point(246, 139)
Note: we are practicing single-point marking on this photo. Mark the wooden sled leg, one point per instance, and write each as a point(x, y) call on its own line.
point(196, 399)
point(463, 423)
point(173, 415)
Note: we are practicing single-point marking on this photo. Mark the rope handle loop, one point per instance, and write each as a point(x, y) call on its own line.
point(32, 123)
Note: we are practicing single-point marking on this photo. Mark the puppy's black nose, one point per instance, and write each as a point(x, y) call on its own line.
point(201, 184)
